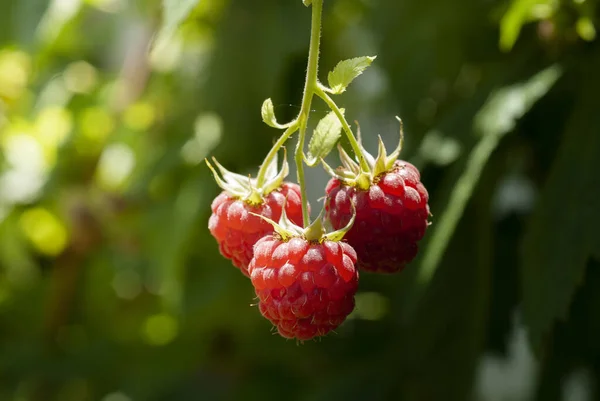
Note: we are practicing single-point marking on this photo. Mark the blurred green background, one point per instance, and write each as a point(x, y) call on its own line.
point(112, 289)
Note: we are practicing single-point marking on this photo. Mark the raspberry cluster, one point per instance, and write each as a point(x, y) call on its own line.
point(306, 284)
point(304, 276)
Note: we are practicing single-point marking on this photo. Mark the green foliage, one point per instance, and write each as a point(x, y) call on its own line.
point(111, 287)
point(346, 71)
point(519, 13)
point(496, 118)
point(267, 112)
point(174, 13)
point(563, 234)
point(324, 138)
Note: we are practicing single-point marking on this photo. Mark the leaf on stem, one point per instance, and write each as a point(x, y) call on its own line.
point(324, 138)
point(268, 114)
point(345, 72)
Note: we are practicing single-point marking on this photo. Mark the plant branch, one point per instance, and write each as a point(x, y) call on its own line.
point(319, 91)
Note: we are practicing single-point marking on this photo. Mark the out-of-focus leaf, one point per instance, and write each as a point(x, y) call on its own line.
point(174, 13)
point(574, 342)
point(495, 119)
point(346, 71)
point(518, 14)
point(448, 329)
point(585, 28)
point(564, 231)
point(324, 138)
point(169, 247)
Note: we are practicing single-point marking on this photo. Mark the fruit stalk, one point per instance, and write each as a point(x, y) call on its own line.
point(346, 127)
point(309, 90)
point(264, 167)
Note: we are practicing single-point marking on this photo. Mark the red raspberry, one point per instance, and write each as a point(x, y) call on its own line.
point(305, 289)
point(237, 230)
point(391, 217)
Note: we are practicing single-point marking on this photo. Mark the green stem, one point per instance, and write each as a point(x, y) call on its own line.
point(260, 179)
point(309, 90)
point(351, 138)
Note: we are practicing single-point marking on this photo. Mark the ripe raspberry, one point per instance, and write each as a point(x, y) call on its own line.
point(236, 229)
point(391, 217)
point(390, 203)
point(234, 223)
point(305, 288)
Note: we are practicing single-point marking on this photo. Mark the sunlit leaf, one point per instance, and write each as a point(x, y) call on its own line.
point(324, 138)
point(267, 112)
point(346, 71)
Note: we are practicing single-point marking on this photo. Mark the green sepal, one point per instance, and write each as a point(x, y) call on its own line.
point(354, 175)
point(244, 187)
point(276, 178)
point(338, 235)
point(285, 227)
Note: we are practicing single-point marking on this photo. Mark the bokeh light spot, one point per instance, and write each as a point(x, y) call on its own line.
point(96, 124)
point(370, 306)
point(80, 77)
point(53, 125)
point(45, 231)
point(15, 68)
point(139, 116)
point(115, 166)
point(127, 284)
point(207, 135)
point(160, 329)
point(117, 396)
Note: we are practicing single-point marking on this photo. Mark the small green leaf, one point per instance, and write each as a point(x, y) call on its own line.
point(346, 71)
point(518, 14)
point(174, 13)
point(268, 114)
point(307, 2)
point(324, 138)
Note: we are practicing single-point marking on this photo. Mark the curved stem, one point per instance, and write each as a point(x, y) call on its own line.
point(351, 138)
point(260, 179)
point(309, 90)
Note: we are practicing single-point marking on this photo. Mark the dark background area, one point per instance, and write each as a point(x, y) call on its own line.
point(112, 289)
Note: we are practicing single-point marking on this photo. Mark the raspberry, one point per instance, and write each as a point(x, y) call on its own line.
point(236, 229)
point(235, 221)
point(391, 217)
point(306, 289)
